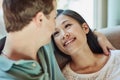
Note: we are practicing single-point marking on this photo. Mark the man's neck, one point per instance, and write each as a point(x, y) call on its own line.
point(17, 48)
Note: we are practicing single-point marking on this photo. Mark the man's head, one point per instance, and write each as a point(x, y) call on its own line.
point(19, 13)
point(30, 19)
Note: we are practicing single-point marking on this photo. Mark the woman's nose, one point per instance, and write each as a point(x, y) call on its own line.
point(66, 35)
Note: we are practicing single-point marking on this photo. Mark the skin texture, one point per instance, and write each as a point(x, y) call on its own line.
point(70, 38)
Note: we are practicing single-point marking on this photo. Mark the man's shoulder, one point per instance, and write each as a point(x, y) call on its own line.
point(6, 76)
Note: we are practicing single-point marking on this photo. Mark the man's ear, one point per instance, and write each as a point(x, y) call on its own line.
point(85, 28)
point(38, 18)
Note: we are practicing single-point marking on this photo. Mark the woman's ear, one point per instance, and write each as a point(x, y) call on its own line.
point(85, 28)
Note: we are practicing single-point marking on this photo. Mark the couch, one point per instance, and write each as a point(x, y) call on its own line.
point(113, 35)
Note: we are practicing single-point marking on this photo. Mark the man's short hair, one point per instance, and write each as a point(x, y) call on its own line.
point(19, 13)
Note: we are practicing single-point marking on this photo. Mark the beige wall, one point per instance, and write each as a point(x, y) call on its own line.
point(1, 4)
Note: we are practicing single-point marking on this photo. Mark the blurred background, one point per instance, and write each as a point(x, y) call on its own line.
point(83, 7)
point(97, 13)
point(2, 28)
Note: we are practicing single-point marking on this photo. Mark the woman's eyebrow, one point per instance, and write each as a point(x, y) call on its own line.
point(64, 22)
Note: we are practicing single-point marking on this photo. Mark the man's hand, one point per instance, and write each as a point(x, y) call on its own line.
point(104, 43)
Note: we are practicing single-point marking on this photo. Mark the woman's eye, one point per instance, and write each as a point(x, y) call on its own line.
point(56, 33)
point(68, 25)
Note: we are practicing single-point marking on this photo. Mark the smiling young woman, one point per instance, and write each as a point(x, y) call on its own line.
point(75, 39)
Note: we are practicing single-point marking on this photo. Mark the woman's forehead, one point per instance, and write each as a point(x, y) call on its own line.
point(62, 19)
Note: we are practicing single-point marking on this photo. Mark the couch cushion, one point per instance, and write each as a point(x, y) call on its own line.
point(113, 35)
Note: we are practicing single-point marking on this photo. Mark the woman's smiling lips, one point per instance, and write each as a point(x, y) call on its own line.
point(68, 41)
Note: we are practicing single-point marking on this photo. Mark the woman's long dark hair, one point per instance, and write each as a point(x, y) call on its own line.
point(91, 38)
